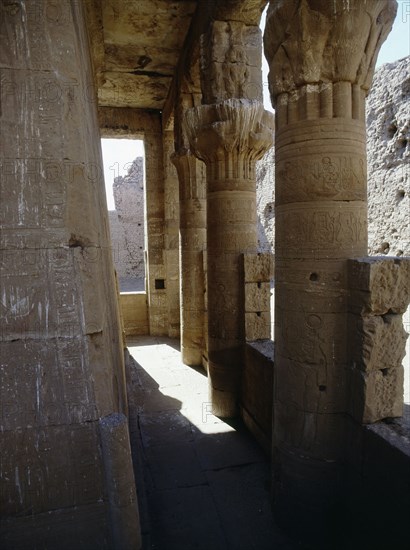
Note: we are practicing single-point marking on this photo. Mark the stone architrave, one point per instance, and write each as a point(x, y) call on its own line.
point(321, 56)
point(61, 352)
point(192, 227)
point(230, 132)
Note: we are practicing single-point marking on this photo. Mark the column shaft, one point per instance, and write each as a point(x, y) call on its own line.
point(61, 353)
point(192, 200)
point(230, 132)
point(321, 62)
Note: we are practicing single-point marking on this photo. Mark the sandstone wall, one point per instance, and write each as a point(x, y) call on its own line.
point(127, 227)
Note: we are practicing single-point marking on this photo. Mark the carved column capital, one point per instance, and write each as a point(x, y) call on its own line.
point(316, 41)
point(184, 161)
point(235, 128)
point(313, 46)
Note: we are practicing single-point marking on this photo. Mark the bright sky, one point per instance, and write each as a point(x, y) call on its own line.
point(119, 153)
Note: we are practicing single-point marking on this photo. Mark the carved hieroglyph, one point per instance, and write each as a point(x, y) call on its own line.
point(229, 134)
point(321, 55)
point(61, 353)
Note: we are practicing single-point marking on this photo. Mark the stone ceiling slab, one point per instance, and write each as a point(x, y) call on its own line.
point(124, 89)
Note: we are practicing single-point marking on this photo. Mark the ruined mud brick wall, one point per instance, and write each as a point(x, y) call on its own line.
point(127, 227)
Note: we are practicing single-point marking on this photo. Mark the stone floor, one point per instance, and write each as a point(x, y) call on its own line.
point(203, 483)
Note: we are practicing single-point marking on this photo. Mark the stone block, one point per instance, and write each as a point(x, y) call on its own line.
point(258, 267)
point(376, 394)
point(377, 341)
point(379, 285)
point(50, 468)
point(257, 325)
point(257, 297)
point(134, 313)
point(257, 389)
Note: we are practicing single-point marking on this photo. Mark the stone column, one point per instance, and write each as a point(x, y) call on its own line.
point(171, 236)
point(321, 57)
point(192, 226)
point(61, 354)
point(229, 133)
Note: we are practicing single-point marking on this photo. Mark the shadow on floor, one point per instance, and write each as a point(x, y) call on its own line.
point(202, 483)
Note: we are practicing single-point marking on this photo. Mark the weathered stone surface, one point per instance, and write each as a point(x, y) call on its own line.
point(192, 226)
point(229, 136)
point(257, 325)
point(376, 341)
point(258, 267)
point(133, 67)
point(119, 479)
point(347, 39)
point(321, 56)
point(376, 394)
point(388, 138)
point(257, 394)
point(61, 356)
point(232, 60)
point(147, 125)
point(265, 201)
point(310, 386)
point(379, 285)
point(171, 237)
point(134, 313)
point(257, 296)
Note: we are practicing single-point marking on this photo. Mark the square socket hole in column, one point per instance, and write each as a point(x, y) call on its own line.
point(159, 284)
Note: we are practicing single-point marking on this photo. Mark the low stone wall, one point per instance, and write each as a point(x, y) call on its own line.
point(257, 385)
point(134, 313)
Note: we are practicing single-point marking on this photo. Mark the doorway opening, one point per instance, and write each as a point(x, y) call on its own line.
point(124, 174)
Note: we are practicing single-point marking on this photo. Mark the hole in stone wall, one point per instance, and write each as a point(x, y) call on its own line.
point(159, 284)
point(322, 388)
point(400, 194)
point(384, 248)
point(313, 277)
point(391, 129)
point(258, 313)
point(259, 284)
point(384, 372)
point(124, 174)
